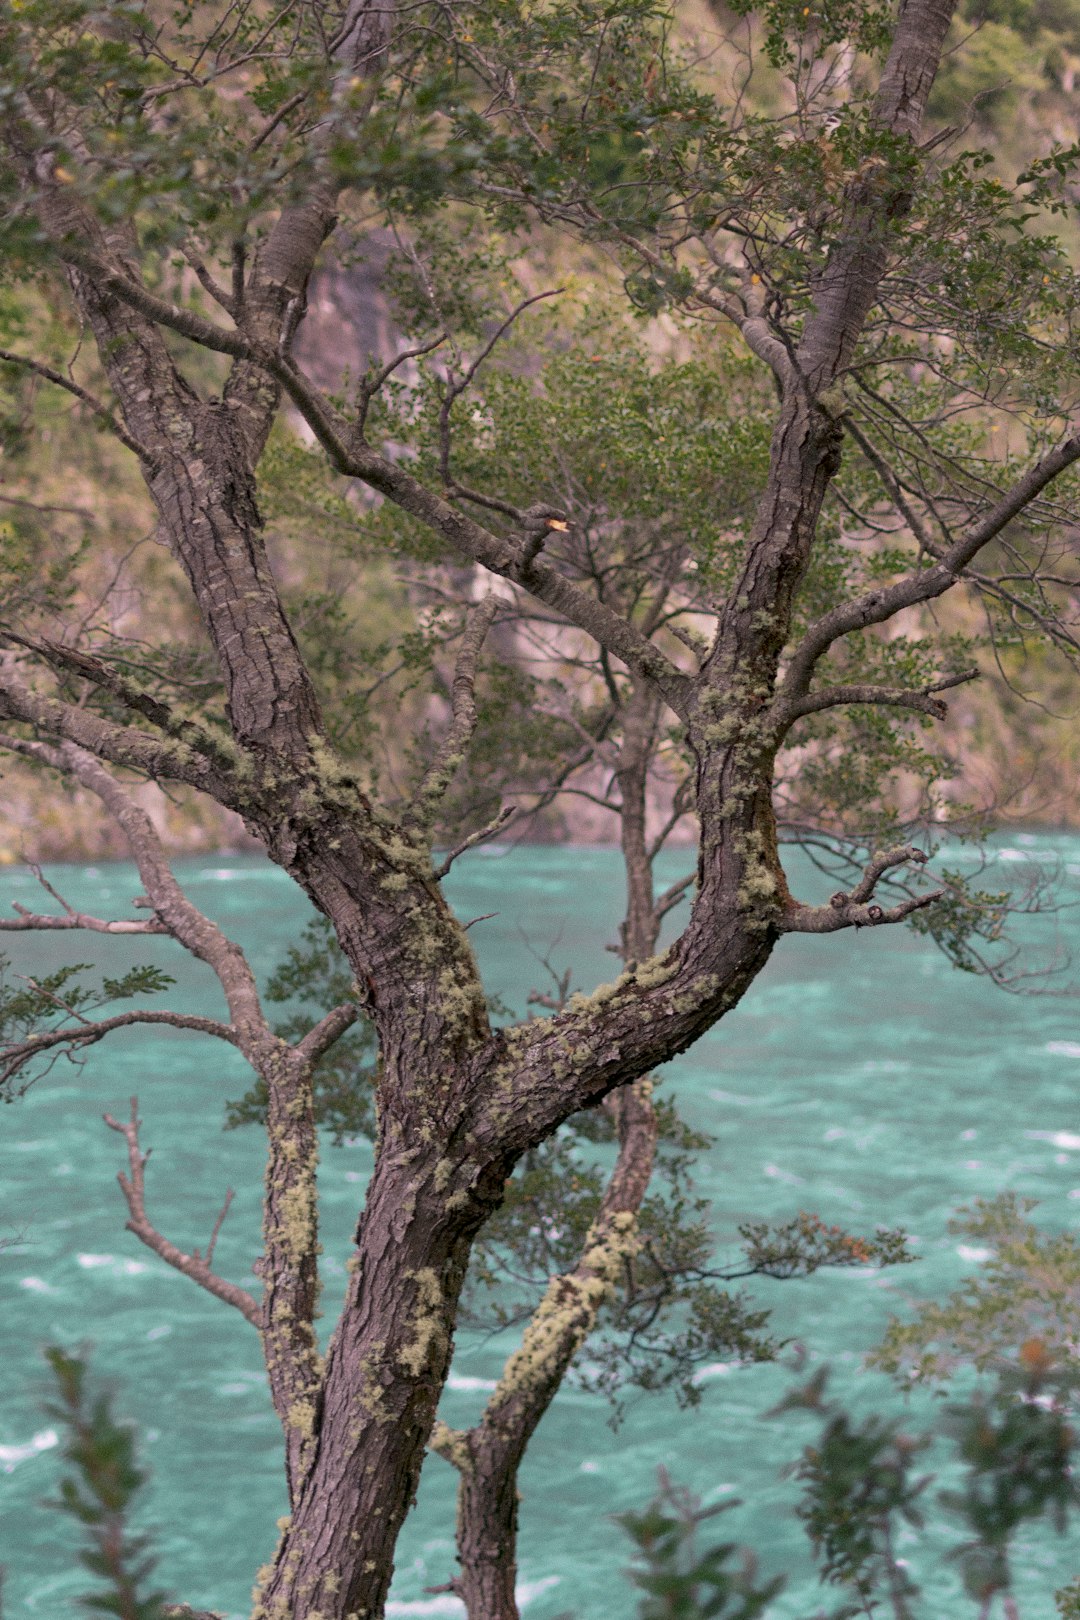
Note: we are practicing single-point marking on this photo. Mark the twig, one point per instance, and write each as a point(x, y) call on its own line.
point(370, 387)
point(496, 824)
point(99, 409)
point(192, 1265)
point(19, 1053)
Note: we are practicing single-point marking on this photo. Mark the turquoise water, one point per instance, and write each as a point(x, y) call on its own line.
point(861, 1078)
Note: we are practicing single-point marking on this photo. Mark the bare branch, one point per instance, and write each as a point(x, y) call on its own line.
point(100, 410)
point(192, 1265)
point(72, 918)
point(854, 909)
point(497, 824)
point(17, 1055)
point(184, 920)
point(209, 284)
point(326, 1032)
point(371, 386)
point(897, 697)
point(879, 605)
point(90, 668)
point(32, 921)
point(671, 896)
point(168, 759)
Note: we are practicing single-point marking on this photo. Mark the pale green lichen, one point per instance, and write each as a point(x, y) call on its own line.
point(372, 1397)
point(297, 1224)
point(427, 1325)
point(452, 1444)
point(569, 1308)
point(302, 1418)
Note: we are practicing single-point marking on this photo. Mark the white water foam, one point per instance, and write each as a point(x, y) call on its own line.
point(447, 1604)
point(122, 1268)
point(1060, 1139)
point(12, 1456)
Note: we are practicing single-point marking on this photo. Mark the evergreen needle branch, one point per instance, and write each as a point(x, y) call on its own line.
point(194, 1265)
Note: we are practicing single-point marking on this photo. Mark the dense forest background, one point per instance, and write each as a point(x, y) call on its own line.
point(74, 512)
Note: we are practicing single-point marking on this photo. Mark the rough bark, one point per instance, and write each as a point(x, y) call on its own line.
point(458, 1103)
point(489, 1456)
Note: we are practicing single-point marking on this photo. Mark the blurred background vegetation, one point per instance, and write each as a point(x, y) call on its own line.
point(75, 516)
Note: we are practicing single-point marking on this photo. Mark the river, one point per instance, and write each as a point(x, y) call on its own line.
point(861, 1078)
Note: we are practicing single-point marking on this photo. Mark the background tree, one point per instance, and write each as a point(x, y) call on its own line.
point(892, 298)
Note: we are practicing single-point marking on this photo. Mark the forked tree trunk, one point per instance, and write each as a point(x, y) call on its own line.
point(384, 1373)
point(489, 1457)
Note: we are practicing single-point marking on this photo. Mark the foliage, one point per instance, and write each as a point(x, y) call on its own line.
point(174, 172)
point(36, 1007)
point(1028, 1287)
point(101, 1492)
point(680, 1581)
point(1014, 1449)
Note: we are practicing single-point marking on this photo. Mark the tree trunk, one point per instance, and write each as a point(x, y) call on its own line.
point(489, 1456)
point(385, 1370)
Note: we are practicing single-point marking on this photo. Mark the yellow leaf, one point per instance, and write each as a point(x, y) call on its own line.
point(65, 177)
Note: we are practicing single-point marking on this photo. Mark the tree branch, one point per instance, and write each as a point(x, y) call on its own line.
point(32, 920)
point(879, 605)
point(451, 753)
point(497, 824)
point(71, 918)
point(852, 909)
point(326, 1032)
point(126, 746)
point(921, 700)
point(195, 931)
point(192, 1265)
point(16, 1055)
point(456, 386)
point(353, 457)
point(671, 896)
point(99, 409)
point(90, 668)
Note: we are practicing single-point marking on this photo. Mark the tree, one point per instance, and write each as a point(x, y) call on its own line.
point(899, 306)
